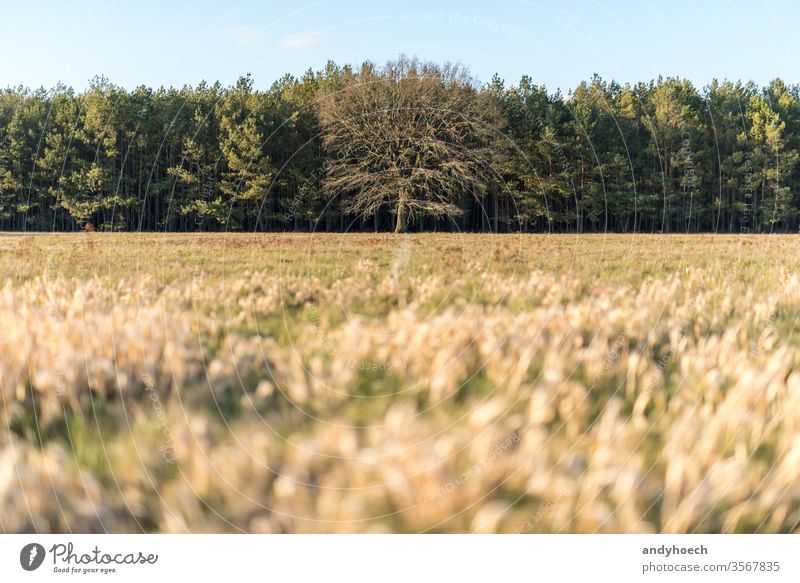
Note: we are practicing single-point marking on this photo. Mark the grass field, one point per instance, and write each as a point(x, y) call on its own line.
point(381, 383)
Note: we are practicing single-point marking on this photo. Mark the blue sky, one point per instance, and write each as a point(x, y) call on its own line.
point(557, 43)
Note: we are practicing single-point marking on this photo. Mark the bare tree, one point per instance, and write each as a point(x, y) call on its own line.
point(410, 137)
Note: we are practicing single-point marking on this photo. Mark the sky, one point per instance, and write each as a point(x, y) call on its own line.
point(558, 44)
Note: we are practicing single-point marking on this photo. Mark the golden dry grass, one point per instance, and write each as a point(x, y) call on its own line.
point(376, 383)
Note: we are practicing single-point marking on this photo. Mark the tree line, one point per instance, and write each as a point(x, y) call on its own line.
point(407, 145)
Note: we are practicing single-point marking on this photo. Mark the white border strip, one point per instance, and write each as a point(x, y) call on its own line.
point(402, 558)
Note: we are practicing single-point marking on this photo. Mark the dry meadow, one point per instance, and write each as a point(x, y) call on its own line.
point(399, 383)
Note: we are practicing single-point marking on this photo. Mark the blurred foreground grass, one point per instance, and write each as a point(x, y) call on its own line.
point(370, 382)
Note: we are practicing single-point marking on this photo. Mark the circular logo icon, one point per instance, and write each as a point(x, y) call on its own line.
point(31, 556)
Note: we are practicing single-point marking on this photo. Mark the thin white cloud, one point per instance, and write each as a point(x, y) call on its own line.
point(302, 40)
point(245, 34)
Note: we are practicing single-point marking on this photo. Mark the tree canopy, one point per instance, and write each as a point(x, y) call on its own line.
point(413, 138)
point(406, 145)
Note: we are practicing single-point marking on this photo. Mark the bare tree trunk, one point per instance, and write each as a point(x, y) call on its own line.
point(400, 224)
